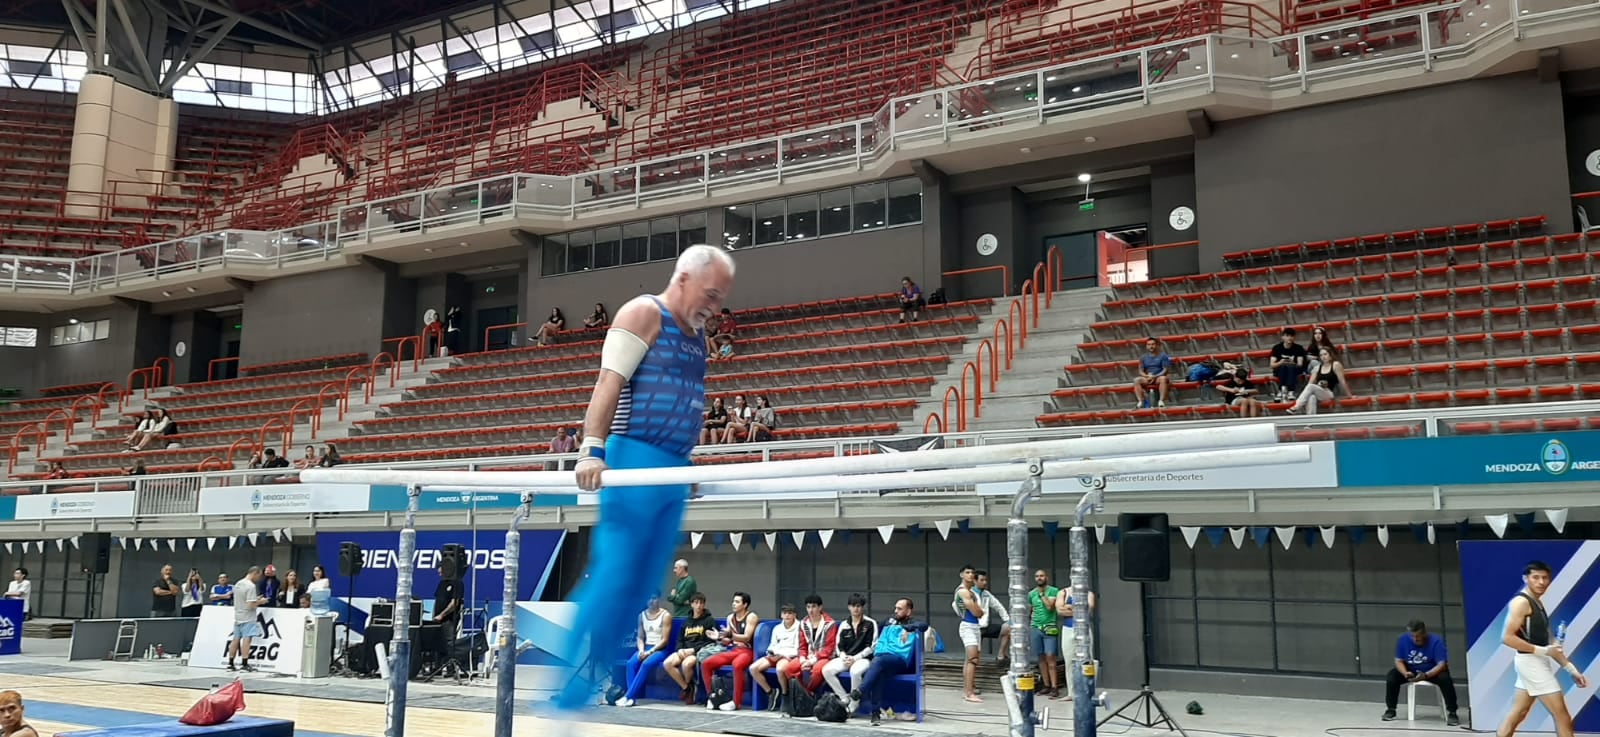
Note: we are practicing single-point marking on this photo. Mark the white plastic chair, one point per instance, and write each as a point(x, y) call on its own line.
point(1411, 699)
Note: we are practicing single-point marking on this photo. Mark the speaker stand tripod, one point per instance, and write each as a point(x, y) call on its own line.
point(1154, 714)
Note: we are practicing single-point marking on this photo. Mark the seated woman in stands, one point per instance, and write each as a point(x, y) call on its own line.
point(1323, 384)
point(330, 457)
point(766, 420)
point(136, 438)
point(716, 421)
point(1319, 341)
point(739, 419)
point(1240, 393)
point(309, 460)
point(552, 326)
point(158, 431)
point(57, 472)
point(911, 301)
point(599, 318)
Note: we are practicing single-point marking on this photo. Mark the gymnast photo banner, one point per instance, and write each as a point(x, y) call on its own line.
point(1463, 460)
point(483, 583)
point(1491, 575)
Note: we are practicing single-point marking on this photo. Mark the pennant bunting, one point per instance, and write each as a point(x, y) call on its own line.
point(60, 544)
point(718, 539)
point(943, 526)
point(1285, 536)
point(799, 539)
point(695, 538)
point(1383, 535)
point(736, 538)
point(8, 548)
point(75, 545)
point(1328, 534)
point(1558, 519)
point(1357, 534)
point(1051, 527)
point(1432, 539)
point(1190, 534)
point(1100, 534)
point(772, 540)
point(1498, 523)
point(1311, 537)
point(1237, 533)
point(253, 537)
point(885, 532)
point(826, 536)
point(1525, 521)
point(965, 526)
point(1216, 535)
point(915, 530)
point(277, 536)
point(192, 541)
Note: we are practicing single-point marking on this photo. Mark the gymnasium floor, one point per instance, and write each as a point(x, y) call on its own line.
point(62, 696)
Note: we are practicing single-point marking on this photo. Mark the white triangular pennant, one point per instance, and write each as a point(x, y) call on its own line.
point(1328, 535)
point(772, 540)
point(192, 541)
point(137, 542)
point(943, 526)
point(232, 541)
point(1100, 534)
point(75, 545)
point(1285, 536)
point(277, 536)
point(60, 545)
point(826, 536)
point(1237, 533)
point(211, 543)
point(736, 538)
point(8, 547)
point(1383, 535)
point(172, 544)
point(253, 537)
point(885, 532)
point(1498, 522)
point(799, 539)
point(695, 538)
point(1558, 519)
point(1431, 538)
point(1190, 534)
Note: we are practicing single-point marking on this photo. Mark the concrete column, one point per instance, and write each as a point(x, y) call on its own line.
point(120, 134)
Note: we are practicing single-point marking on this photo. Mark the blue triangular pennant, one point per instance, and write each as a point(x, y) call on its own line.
point(1051, 527)
point(1114, 534)
point(1216, 535)
point(1311, 537)
point(965, 526)
point(718, 539)
point(1464, 529)
point(844, 536)
point(1525, 521)
point(915, 530)
point(1420, 532)
point(1357, 534)
point(1262, 535)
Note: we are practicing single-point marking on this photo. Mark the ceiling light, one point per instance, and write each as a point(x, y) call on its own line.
point(1089, 139)
point(1077, 89)
point(189, 289)
point(166, 293)
point(72, 321)
point(1233, 56)
point(1026, 150)
point(1084, 178)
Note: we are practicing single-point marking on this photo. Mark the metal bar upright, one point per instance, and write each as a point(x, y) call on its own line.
point(1018, 682)
point(1082, 665)
point(400, 660)
point(505, 644)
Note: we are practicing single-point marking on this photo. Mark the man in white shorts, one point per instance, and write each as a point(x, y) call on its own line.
point(245, 626)
point(969, 604)
point(1528, 633)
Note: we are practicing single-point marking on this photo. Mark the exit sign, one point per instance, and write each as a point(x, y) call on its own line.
point(1086, 205)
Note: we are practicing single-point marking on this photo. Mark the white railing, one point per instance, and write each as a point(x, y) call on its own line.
point(178, 494)
point(1307, 61)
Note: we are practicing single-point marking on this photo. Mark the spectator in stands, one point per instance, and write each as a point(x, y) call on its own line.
point(270, 587)
point(1319, 340)
point(719, 336)
point(599, 318)
point(291, 593)
point(158, 431)
point(765, 421)
point(911, 301)
point(309, 460)
point(20, 589)
point(996, 620)
point(716, 421)
point(1240, 393)
point(893, 655)
point(271, 459)
point(552, 326)
point(222, 593)
point(194, 594)
point(1046, 631)
point(165, 591)
point(57, 471)
point(136, 438)
point(1420, 657)
point(818, 642)
point(783, 649)
point(739, 419)
point(330, 457)
point(969, 605)
point(683, 590)
point(699, 632)
point(562, 442)
point(853, 646)
point(1154, 367)
point(1288, 363)
point(1322, 385)
point(650, 648)
point(168, 433)
point(738, 636)
point(137, 469)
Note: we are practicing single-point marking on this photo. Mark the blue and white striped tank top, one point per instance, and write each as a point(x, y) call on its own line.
point(662, 404)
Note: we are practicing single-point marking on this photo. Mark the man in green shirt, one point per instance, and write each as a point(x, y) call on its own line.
point(1046, 631)
point(682, 591)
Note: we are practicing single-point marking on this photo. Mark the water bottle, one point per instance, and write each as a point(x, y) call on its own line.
point(1561, 633)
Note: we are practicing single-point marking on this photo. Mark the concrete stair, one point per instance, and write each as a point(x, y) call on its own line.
point(1023, 392)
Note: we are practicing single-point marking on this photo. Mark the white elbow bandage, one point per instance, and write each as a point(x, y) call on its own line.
point(1573, 669)
point(1541, 650)
point(622, 353)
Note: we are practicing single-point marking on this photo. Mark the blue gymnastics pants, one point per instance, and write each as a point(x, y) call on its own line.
point(630, 551)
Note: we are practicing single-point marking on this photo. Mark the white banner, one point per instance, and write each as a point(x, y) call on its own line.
point(1321, 473)
point(76, 506)
point(283, 499)
point(278, 650)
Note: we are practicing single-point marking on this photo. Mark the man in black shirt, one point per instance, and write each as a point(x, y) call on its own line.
point(164, 602)
point(1288, 364)
point(447, 602)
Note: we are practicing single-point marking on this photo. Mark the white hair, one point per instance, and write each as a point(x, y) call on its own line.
point(695, 259)
point(681, 562)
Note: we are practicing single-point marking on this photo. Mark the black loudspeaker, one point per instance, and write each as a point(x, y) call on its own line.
point(453, 559)
point(94, 552)
point(349, 559)
point(1145, 549)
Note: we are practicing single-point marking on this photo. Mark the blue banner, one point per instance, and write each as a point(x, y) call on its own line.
point(393, 499)
point(8, 508)
point(1491, 576)
point(10, 627)
point(485, 582)
point(1471, 459)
